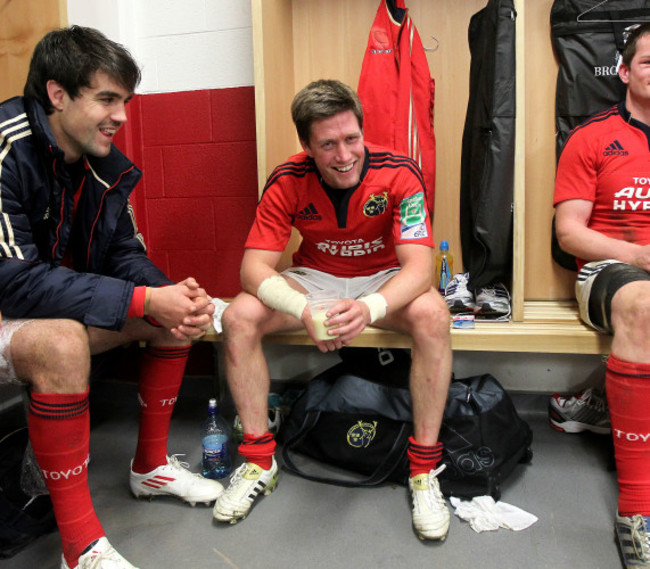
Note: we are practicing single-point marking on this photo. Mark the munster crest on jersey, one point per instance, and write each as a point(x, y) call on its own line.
point(376, 205)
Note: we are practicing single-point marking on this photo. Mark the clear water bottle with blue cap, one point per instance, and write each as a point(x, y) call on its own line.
point(215, 436)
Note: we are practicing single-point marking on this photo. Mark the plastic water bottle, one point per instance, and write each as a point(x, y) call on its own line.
point(215, 435)
point(444, 267)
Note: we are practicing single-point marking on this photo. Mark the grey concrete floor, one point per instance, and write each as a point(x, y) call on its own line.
point(569, 486)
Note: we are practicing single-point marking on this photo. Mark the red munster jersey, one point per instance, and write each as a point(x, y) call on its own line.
point(606, 160)
point(345, 233)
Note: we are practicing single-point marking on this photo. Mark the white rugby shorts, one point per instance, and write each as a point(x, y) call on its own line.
point(352, 287)
point(8, 329)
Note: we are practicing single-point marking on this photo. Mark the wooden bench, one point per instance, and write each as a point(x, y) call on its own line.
point(551, 327)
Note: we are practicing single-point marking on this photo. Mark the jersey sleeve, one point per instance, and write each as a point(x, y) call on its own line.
point(271, 228)
point(411, 220)
point(576, 176)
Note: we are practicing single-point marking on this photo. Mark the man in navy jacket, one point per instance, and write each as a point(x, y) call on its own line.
point(75, 281)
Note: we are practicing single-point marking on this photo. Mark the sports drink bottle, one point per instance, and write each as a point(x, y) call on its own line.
point(444, 267)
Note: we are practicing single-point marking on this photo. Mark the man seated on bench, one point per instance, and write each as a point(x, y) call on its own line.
point(75, 281)
point(361, 212)
point(601, 190)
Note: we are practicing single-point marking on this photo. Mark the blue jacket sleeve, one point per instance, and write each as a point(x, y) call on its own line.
point(33, 287)
point(127, 255)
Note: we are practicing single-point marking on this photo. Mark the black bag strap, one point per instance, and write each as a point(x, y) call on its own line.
point(381, 473)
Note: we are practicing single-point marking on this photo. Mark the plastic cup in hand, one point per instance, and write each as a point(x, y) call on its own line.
point(319, 303)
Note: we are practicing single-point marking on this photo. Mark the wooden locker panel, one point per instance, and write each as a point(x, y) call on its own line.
point(543, 278)
point(22, 24)
point(318, 39)
point(329, 41)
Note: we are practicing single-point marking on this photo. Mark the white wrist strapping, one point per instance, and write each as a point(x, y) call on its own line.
point(276, 293)
point(377, 305)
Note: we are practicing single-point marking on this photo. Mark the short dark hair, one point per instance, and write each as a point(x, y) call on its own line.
point(629, 51)
point(71, 57)
point(320, 100)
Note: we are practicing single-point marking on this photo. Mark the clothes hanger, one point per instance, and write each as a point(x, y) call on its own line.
point(579, 18)
point(433, 47)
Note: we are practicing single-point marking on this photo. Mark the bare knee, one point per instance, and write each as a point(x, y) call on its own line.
point(52, 355)
point(427, 318)
point(631, 311)
point(243, 319)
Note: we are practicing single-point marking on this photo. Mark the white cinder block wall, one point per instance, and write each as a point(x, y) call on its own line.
point(181, 46)
point(207, 44)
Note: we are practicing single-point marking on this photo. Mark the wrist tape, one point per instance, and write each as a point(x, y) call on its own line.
point(276, 293)
point(377, 305)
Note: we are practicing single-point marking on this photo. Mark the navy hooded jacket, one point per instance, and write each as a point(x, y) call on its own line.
point(36, 207)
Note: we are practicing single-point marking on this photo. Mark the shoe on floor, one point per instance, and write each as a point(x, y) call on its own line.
point(493, 301)
point(457, 296)
point(246, 484)
point(275, 419)
point(585, 411)
point(634, 540)
point(174, 479)
point(430, 513)
point(100, 555)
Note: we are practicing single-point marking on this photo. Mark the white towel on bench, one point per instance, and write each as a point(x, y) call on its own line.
point(219, 307)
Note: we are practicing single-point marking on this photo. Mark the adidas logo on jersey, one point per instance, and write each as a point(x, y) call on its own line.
point(309, 213)
point(615, 149)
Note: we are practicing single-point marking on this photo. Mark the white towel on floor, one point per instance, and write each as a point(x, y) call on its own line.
point(219, 307)
point(484, 514)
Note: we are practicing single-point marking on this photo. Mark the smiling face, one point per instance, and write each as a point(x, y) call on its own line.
point(88, 123)
point(637, 78)
point(336, 145)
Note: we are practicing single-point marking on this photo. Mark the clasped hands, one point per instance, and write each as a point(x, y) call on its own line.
point(184, 308)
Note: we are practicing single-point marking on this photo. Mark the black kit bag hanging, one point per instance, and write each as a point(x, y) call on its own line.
point(488, 147)
point(587, 37)
point(362, 426)
point(22, 517)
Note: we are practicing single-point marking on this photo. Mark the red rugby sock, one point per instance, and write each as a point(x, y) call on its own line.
point(161, 376)
point(423, 459)
point(259, 450)
point(628, 396)
point(59, 430)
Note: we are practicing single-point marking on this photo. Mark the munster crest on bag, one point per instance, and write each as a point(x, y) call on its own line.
point(361, 434)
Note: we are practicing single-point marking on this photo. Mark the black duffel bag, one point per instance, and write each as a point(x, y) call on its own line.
point(347, 420)
point(484, 438)
point(22, 517)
